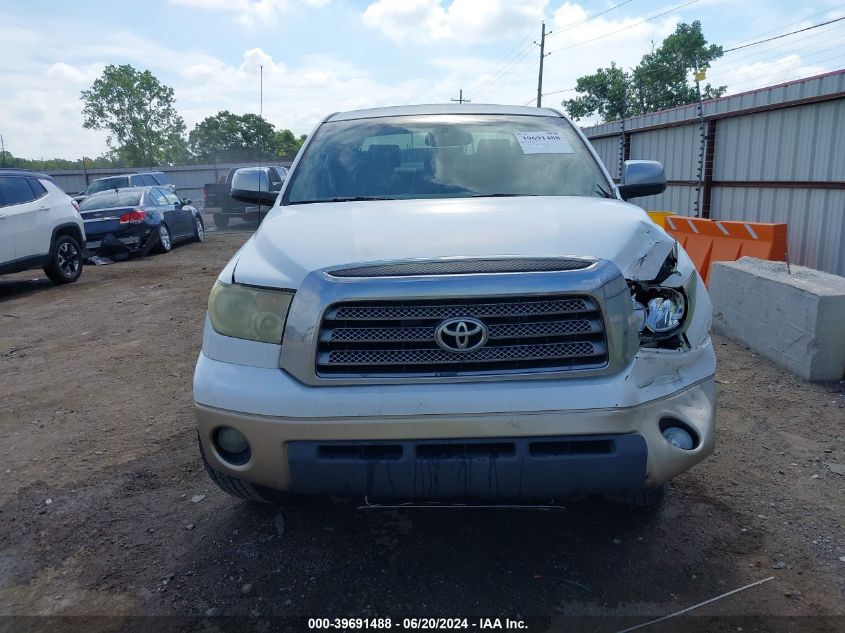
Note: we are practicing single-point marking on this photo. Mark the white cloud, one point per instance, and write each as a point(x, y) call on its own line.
point(765, 73)
point(44, 67)
point(462, 20)
point(249, 13)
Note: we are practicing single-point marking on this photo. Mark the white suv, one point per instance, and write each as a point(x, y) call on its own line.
point(40, 227)
point(456, 301)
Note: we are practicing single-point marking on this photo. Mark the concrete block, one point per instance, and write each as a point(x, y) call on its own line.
point(796, 320)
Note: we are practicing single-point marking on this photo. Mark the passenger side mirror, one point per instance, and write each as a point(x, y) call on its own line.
point(252, 186)
point(185, 201)
point(642, 178)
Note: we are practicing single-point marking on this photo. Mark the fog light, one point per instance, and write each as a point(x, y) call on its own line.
point(679, 437)
point(231, 440)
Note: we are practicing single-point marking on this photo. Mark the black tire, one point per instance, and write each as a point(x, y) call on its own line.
point(199, 230)
point(649, 498)
point(243, 489)
point(165, 239)
point(221, 221)
point(65, 264)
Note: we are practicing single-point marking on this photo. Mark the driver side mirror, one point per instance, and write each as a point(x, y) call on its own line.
point(185, 202)
point(252, 186)
point(642, 178)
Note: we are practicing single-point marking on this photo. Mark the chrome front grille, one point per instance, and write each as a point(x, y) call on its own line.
point(368, 339)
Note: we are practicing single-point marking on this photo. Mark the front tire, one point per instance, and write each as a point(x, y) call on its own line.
point(221, 221)
point(65, 264)
point(240, 488)
point(199, 230)
point(165, 241)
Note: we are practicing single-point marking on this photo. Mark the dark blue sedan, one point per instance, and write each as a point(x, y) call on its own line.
point(136, 220)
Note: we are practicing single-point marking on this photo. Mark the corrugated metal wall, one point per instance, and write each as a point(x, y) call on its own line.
point(800, 143)
point(608, 150)
point(779, 154)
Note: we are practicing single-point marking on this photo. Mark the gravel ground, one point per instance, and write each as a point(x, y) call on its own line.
point(105, 508)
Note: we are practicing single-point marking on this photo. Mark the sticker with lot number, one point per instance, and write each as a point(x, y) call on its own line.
point(543, 143)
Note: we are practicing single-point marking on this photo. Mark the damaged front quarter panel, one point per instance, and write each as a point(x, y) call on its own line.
point(675, 271)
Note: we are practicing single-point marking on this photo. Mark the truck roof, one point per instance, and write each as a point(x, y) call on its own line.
point(441, 108)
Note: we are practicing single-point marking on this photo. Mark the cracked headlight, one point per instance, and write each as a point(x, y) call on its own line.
point(255, 314)
point(665, 312)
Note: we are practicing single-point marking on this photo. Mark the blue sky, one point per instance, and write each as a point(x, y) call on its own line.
point(321, 56)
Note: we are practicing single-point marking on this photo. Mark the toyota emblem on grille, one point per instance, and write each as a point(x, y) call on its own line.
point(463, 334)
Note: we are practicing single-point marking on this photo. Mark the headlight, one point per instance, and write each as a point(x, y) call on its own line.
point(255, 314)
point(665, 312)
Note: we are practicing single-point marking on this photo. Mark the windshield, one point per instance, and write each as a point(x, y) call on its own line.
point(445, 156)
point(111, 199)
point(108, 183)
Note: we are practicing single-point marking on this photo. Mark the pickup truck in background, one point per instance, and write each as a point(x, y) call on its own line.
point(217, 196)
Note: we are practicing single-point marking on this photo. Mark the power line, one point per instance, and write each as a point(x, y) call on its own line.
point(630, 26)
point(722, 68)
point(568, 27)
point(787, 48)
point(776, 72)
point(502, 60)
point(505, 71)
point(815, 15)
point(777, 37)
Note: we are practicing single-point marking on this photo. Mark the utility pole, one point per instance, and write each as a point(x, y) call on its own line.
point(2, 151)
point(260, 136)
point(542, 46)
point(460, 98)
point(699, 76)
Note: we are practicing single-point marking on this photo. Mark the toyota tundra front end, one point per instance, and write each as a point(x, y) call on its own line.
point(456, 302)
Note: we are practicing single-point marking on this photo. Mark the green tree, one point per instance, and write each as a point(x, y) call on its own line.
point(601, 93)
point(232, 137)
point(661, 80)
point(287, 144)
point(139, 113)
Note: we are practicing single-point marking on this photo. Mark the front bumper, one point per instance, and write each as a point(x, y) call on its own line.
point(287, 445)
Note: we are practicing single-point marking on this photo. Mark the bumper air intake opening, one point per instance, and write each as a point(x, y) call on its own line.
point(571, 447)
point(365, 452)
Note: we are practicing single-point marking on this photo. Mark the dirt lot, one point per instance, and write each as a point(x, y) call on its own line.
point(99, 466)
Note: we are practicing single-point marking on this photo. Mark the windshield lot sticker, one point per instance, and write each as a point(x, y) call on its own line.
point(543, 143)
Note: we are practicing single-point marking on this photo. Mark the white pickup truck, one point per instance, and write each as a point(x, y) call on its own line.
point(451, 302)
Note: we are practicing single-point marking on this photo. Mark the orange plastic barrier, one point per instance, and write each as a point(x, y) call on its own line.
point(659, 217)
point(708, 241)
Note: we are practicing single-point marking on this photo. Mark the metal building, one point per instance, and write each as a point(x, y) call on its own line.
point(775, 154)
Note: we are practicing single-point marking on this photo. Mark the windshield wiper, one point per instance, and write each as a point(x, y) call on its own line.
point(603, 191)
point(341, 199)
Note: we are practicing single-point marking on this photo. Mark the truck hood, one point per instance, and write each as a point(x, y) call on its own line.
point(297, 239)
